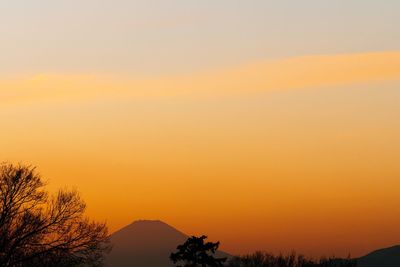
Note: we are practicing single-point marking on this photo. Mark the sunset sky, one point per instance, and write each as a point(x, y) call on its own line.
point(267, 125)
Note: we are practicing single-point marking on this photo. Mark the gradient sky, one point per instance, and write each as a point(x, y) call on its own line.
point(268, 125)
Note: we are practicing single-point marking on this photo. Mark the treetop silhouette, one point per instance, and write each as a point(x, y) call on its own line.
point(195, 252)
point(38, 229)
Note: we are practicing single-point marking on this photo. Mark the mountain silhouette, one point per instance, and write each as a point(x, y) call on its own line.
point(145, 243)
point(387, 257)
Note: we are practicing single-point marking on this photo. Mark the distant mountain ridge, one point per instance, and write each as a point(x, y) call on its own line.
point(386, 257)
point(145, 243)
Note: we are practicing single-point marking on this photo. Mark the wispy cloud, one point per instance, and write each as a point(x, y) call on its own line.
point(285, 74)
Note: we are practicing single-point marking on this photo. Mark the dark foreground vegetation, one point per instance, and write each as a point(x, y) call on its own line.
point(262, 259)
point(39, 229)
point(195, 252)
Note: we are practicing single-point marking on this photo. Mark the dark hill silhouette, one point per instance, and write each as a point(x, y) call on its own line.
point(387, 257)
point(145, 244)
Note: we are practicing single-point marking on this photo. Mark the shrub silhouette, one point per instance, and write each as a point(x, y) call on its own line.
point(194, 252)
point(37, 229)
point(262, 259)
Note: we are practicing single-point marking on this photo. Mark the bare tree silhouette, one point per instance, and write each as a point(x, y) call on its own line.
point(194, 252)
point(37, 229)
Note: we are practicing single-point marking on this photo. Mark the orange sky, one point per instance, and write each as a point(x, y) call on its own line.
point(279, 74)
point(297, 153)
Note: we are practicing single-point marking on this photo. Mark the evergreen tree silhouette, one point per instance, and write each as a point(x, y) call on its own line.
point(196, 253)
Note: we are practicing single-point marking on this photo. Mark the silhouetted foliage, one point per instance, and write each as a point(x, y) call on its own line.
point(262, 259)
point(37, 229)
point(194, 252)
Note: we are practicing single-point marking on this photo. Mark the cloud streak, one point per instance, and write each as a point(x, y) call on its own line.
point(285, 74)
